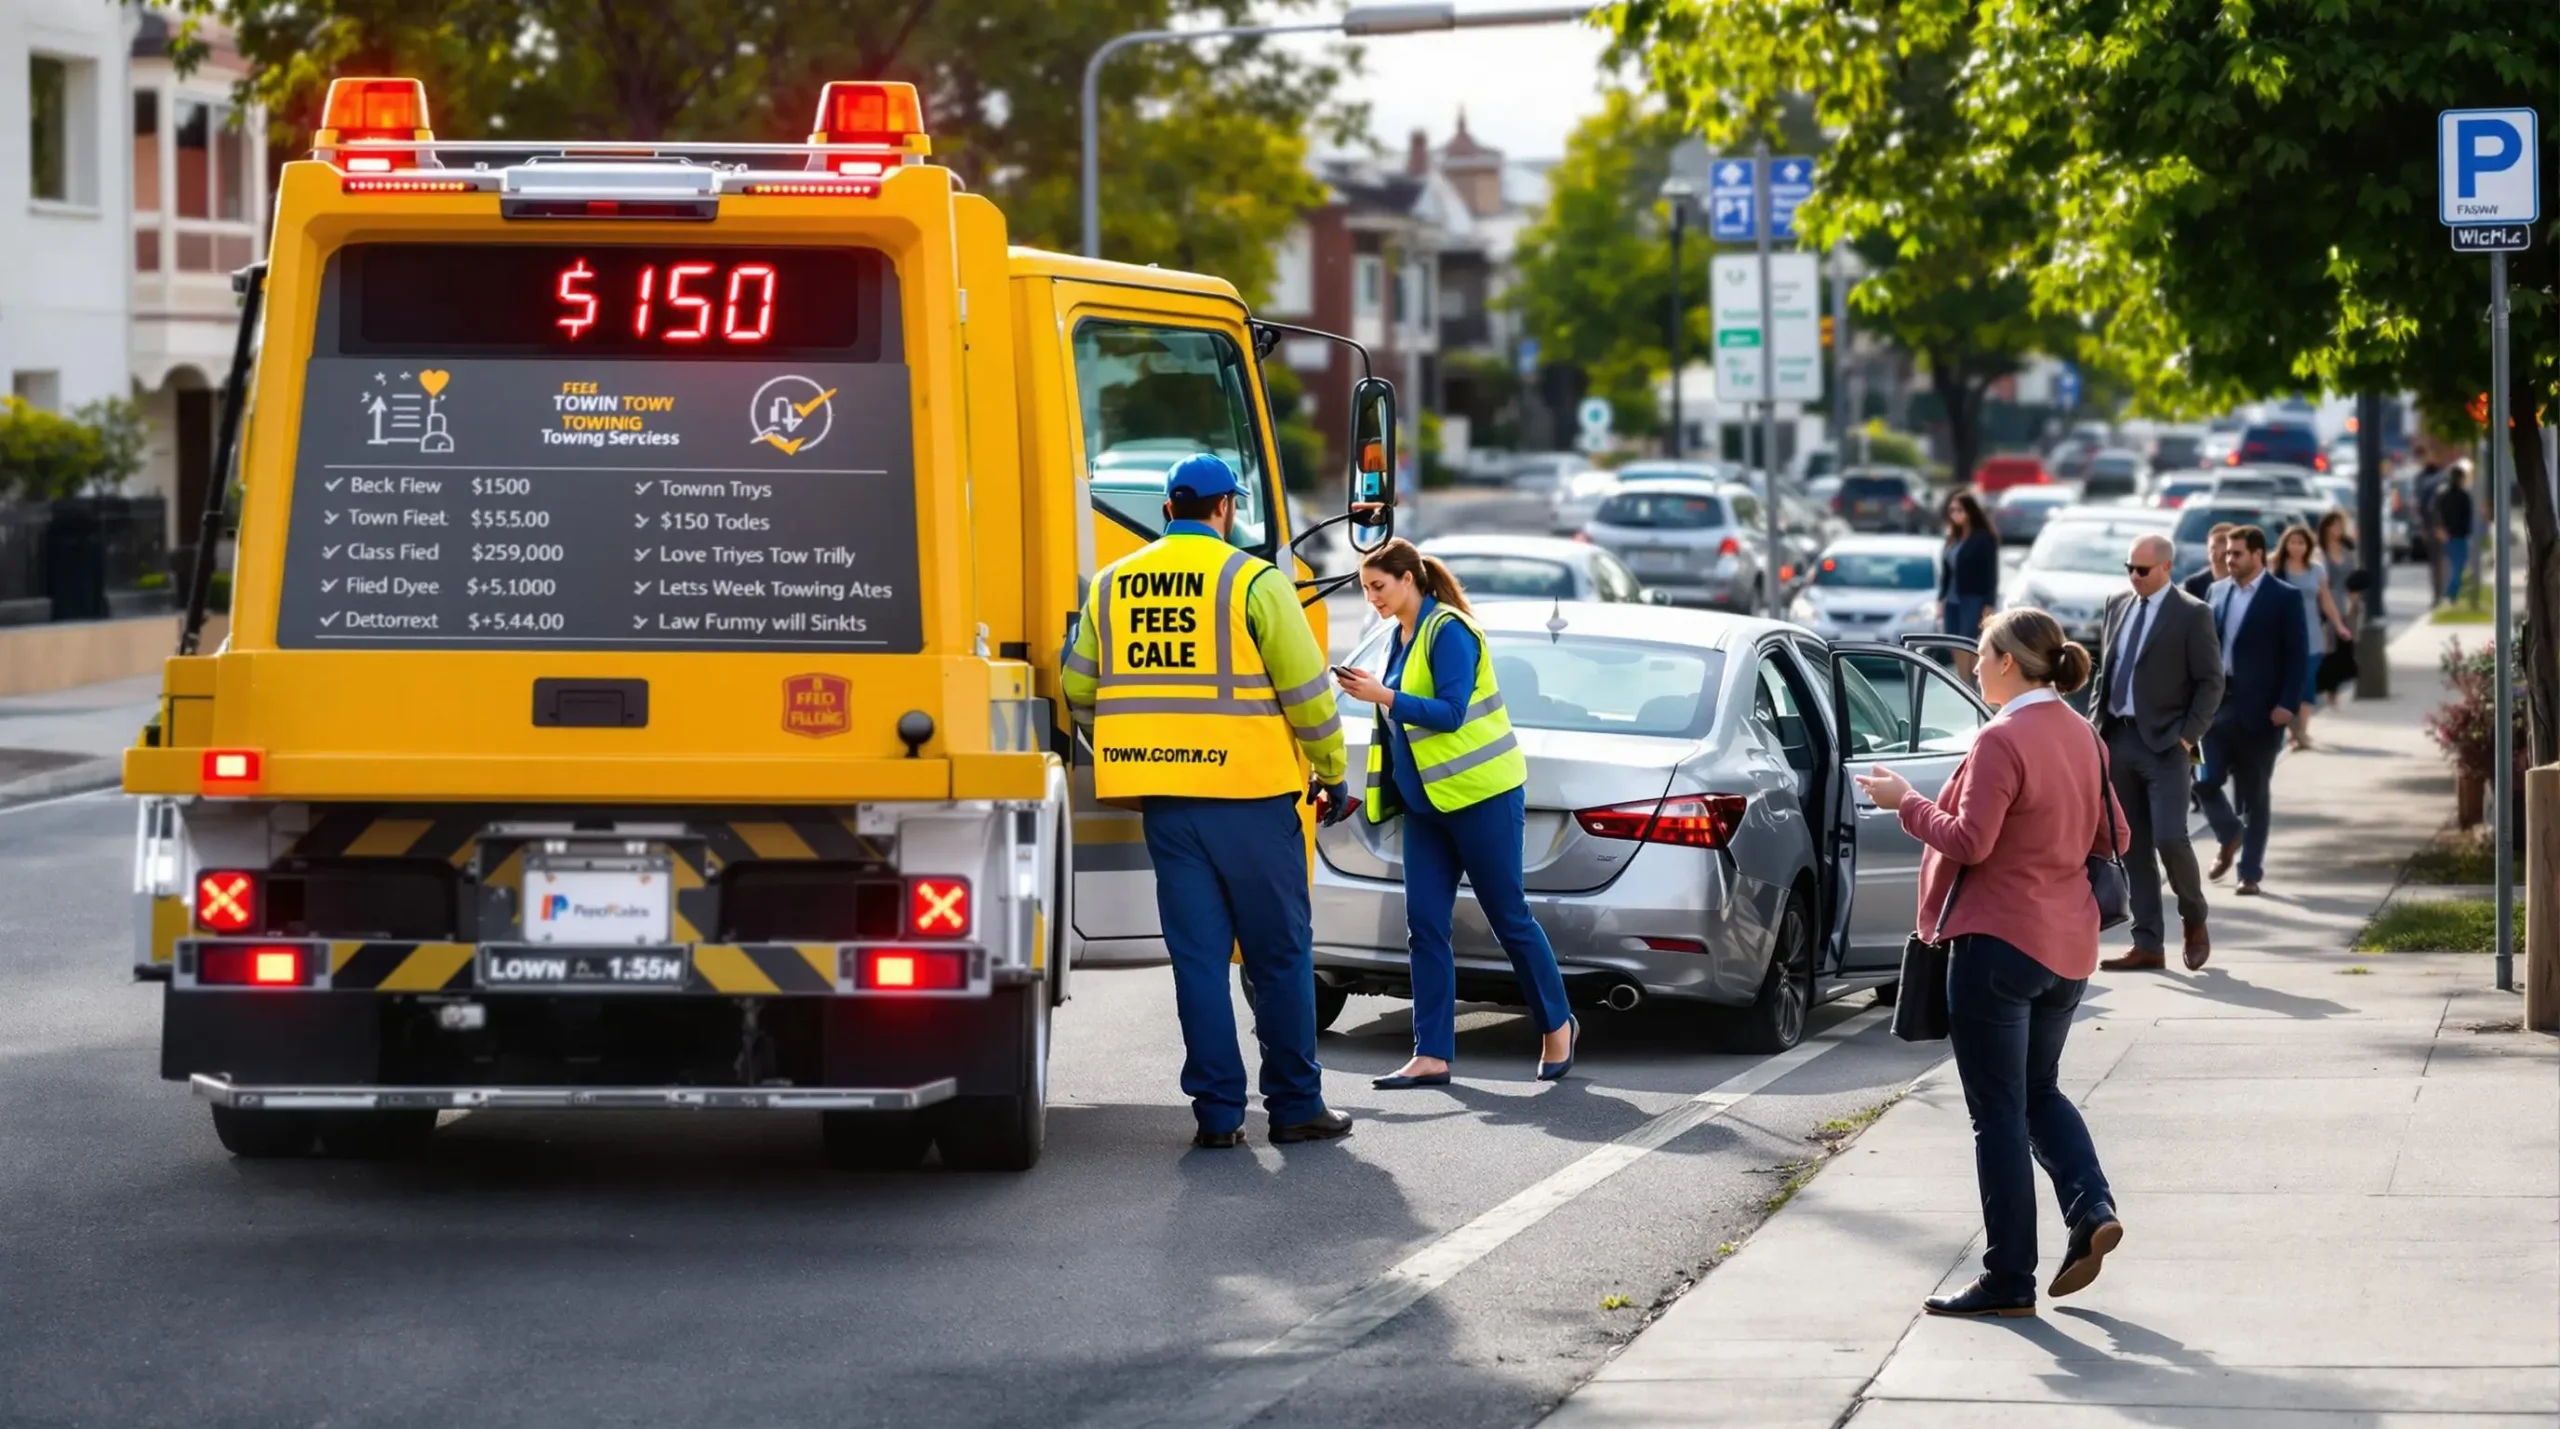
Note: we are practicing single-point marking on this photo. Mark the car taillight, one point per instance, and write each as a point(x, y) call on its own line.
point(1839, 504)
point(1731, 546)
point(1583, 536)
point(937, 907)
point(251, 966)
point(1688, 820)
point(226, 901)
point(912, 970)
point(2232, 460)
point(1910, 505)
point(232, 771)
point(2319, 462)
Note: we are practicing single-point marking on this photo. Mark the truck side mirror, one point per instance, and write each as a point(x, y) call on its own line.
point(1372, 496)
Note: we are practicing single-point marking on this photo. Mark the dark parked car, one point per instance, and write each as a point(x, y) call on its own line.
point(2287, 446)
point(1883, 499)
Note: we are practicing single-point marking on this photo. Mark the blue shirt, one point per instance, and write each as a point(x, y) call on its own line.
point(1453, 680)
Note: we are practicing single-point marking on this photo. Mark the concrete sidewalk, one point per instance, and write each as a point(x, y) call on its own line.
point(67, 741)
point(2341, 1191)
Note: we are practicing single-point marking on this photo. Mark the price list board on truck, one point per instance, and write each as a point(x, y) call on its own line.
point(604, 448)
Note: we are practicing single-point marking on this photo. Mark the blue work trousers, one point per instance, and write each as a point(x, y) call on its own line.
point(2007, 1016)
point(1482, 842)
point(2241, 755)
point(1231, 874)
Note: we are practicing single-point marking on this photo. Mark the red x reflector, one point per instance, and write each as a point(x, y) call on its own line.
point(226, 901)
point(937, 907)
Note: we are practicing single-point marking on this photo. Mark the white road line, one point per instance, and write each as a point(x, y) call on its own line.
point(1271, 1372)
point(8, 809)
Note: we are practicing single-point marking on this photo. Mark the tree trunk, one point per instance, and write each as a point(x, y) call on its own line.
point(1961, 400)
point(2542, 567)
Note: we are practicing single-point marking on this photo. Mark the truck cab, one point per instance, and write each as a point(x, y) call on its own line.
point(641, 690)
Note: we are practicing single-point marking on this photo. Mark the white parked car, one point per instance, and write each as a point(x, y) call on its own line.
point(1872, 587)
point(2077, 565)
point(1508, 567)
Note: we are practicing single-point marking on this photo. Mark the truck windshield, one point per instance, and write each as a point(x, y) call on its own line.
point(604, 447)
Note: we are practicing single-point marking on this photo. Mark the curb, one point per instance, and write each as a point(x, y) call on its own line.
point(81, 778)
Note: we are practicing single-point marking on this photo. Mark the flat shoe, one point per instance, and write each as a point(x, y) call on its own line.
point(2134, 961)
point(1974, 1302)
point(2249, 890)
point(1218, 1140)
point(1400, 1082)
point(2088, 1254)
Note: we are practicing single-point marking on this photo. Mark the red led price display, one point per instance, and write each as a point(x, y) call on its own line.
point(500, 300)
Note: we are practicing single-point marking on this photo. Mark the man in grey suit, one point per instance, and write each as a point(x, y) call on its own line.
point(2157, 684)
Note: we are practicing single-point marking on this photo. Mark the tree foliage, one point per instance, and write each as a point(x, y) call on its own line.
point(2241, 195)
point(1203, 150)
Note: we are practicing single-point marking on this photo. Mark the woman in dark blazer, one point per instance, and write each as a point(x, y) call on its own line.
point(1968, 572)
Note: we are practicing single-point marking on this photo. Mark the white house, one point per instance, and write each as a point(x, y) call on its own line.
point(65, 200)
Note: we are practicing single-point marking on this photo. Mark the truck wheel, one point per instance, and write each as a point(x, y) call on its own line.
point(376, 1135)
point(262, 1135)
point(875, 1140)
point(1003, 1133)
point(1775, 1021)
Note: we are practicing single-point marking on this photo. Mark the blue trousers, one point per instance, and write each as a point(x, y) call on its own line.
point(2243, 756)
point(2457, 563)
point(1231, 875)
point(1482, 842)
point(2007, 1016)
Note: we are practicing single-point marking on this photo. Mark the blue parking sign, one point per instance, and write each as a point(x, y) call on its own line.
point(2488, 167)
point(1729, 216)
point(1790, 183)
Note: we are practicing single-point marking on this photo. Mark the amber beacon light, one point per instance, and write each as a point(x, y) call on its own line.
point(361, 111)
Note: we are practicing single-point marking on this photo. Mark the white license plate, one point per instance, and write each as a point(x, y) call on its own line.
point(592, 907)
point(1645, 560)
point(534, 968)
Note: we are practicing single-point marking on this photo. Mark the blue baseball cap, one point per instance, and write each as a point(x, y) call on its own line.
point(1202, 475)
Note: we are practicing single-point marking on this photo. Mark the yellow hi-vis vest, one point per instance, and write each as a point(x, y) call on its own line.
point(1183, 705)
point(1469, 764)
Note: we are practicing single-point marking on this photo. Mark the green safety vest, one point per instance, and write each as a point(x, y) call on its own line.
point(1472, 763)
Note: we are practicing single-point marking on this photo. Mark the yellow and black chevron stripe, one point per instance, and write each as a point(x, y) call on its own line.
point(737, 969)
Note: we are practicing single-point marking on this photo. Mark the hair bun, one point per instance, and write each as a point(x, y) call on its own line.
point(2071, 666)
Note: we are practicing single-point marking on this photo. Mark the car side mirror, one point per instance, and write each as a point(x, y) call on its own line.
point(1371, 499)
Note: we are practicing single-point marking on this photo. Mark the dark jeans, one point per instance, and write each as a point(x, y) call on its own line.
point(2154, 787)
point(2007, 1015)
point(2242, 754)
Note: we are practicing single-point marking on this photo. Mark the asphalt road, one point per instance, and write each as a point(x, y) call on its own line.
point(695, 1269)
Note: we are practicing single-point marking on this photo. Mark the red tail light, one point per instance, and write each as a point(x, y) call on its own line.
point(1583, 536)
point(912, 970)
point(937, 907)
point(1688, 820)
point(232, 771)
point(2319, 461)
point(226, 901)
point(1841, 503)
point(252, 966)
point(1730, 547)
point(2232, 460)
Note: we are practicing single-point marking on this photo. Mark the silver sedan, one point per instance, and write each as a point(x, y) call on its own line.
point(1692, 833)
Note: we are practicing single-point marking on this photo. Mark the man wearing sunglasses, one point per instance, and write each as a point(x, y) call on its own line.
point(2158, 682)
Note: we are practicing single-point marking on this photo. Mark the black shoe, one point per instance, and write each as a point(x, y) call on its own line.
point(1325, 1127)
point(2098, 1233)
point(1218, 1140)
point(1401, 1082)
point(1975, 1302)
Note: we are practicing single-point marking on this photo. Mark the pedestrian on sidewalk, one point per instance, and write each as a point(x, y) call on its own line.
point(2264, 651)
point(1248, 715)
point(2005, 874)
point(1968, 573)
point(2159, 681)
point(2338, 551)
point(2217, 560)
point(2453, 517)
point(2298, 564)
point(1443, 756)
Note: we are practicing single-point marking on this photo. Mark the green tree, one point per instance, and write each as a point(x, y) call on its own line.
point(1204, 145)
point(1950, 248)
point(1593, 282)
point(123, 437)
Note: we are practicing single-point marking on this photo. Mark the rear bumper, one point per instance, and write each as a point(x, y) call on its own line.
point(222, 1091)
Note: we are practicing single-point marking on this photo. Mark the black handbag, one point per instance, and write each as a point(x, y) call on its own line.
point(1920, 1002)
point(2108, 881)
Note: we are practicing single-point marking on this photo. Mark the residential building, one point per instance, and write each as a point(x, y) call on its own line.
point(200, 208)
point(64, 201)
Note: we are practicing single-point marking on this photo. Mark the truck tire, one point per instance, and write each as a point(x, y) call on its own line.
point(375, 1135)
point(875, 1140)
point(262, 1135)
point(1003, 1133)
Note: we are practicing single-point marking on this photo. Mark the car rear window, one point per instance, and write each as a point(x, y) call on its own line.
point(1876, 570)
point(1663, 510)
point(1512, 576)
point(1606, 686)
point(2281, 442)
point(2176, 451)
point(1868, 488)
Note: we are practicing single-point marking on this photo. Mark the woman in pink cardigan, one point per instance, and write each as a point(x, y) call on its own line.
point(2025, 927)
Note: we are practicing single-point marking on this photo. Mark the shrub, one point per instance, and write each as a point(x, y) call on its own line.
point(2465, 727)
point(45, 455)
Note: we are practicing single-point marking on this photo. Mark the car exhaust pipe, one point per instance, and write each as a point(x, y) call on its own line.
point(1623, 997)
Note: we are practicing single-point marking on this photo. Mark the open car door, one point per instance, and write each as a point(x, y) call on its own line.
point(1901, 709)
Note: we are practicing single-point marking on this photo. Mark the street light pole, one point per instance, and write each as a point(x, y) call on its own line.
point(1360, 20)
point(1678, 191)
point(1762, 209)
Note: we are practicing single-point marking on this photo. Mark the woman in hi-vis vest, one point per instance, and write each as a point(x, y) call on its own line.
point(1443, 756)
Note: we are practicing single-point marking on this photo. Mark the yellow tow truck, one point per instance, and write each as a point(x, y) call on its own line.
point(640, 692)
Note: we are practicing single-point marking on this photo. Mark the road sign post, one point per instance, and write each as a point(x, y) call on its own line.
point(2489, 192)
point(1763, 220)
